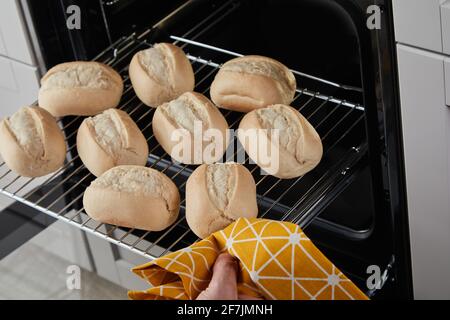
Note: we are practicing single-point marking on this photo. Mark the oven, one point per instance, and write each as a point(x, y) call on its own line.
point(352, 206)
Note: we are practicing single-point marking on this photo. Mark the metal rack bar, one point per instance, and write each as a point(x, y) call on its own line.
point(52, 176)
point(294, 184)
point(232, 53)
point(5, 174)
point(12, 182)
point(70, 203)
point(23, 186)
point(68, 191)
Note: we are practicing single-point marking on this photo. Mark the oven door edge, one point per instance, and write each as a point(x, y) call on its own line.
point(381, 99)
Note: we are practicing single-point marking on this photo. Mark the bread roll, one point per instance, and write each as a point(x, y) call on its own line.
point(217, 195)
point(110, 139)
point(174, 123)
point(298, 149)
point(252, 82)
point(160, 74)
point(80, 88)
point(133, 197)
point(31, 143)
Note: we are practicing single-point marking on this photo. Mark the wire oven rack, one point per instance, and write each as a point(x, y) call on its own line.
point(340, 124)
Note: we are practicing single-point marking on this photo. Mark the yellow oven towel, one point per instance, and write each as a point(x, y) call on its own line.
point(276, 261)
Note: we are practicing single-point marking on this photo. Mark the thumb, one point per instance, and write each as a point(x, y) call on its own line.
point(223, 285)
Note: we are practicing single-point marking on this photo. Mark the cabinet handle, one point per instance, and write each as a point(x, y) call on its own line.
point(445, 25)
point(447, 81)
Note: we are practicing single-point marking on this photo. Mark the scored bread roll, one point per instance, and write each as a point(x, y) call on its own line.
point(109, 139)
point(252, 82)
point(82, 88)
point(191, 129)
point(133, 197)
point(31, 143)
point(217, 195)
point(160, 74)
point(298, 149)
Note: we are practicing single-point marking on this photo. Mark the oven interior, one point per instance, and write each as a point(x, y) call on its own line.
point(334, 204)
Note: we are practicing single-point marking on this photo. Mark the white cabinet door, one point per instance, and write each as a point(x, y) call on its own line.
point(13, 33)
point(65, 241)
point(426, 121)
point(19, 85)
point(115, 263)
point(418, 23)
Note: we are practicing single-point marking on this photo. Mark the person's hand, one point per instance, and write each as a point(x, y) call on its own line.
point(223, 285)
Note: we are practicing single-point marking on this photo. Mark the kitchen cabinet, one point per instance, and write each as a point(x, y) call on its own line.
point(19, 85)
point(19, 75)
point(114, 263)
point(14, 42)
point(62, 240)
point(426, 129)
point(418, 23)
